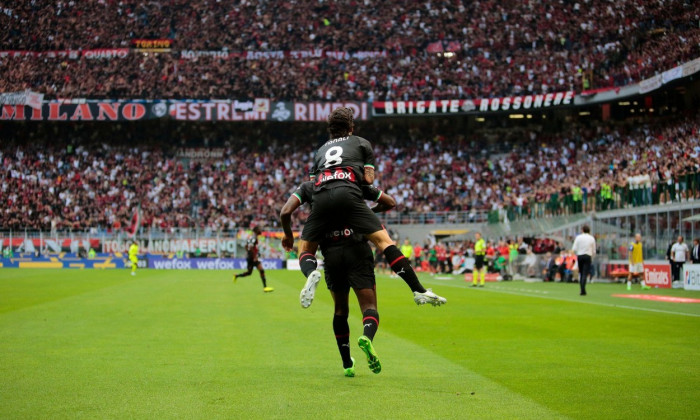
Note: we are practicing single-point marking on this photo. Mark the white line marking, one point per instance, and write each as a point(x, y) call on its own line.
point(497, 289)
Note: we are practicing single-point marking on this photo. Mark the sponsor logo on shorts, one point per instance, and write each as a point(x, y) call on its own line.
point(340, 234)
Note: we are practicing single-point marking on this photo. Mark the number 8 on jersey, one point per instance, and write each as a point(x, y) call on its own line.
point(334, 156)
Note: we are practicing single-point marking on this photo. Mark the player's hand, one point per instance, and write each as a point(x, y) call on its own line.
point(288, 243)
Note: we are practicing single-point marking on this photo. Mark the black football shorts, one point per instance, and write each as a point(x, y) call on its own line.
point(349, 266)
point(339, 206)
point(252, 263)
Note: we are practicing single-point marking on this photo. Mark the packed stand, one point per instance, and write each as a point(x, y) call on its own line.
point(495, 48)
point(108, 172)
point(89, 183)
point(528, 174)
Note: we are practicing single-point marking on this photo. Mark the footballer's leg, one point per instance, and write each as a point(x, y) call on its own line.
point(341, 329)
point(307, 257)
point(643, 283)
point(314, 231)
point(399, 265)
point(629, 278)
point(261, 270)
point(134, 266)
point(361, 278)
point(250, 265)
point(367, 299)
point(402, 266)
point(640, 275)
point(308, 265)
point(246, 273)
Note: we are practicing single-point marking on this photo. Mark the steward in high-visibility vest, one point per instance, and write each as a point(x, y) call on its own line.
point(577, 199)
point(605, 195)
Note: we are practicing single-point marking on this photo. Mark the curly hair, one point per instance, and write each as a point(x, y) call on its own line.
point(340, 122)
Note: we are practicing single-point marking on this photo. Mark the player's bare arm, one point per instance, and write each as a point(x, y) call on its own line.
point(369, 175)
point(289, 207)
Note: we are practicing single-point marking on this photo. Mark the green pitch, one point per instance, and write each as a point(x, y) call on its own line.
point(177, 344)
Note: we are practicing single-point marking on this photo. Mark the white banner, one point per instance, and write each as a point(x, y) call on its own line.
point(650, 84)
point(673, 74)
point(27, 97)
point(691, 67)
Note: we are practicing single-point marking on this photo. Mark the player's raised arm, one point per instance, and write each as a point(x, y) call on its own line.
point(368, 157)
point(299, 197)
point(292, 204)
point(369, 175)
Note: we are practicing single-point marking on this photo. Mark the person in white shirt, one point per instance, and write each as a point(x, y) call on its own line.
point(632, 184)
point(646, 185)
point(679, 254)
point(584, 248)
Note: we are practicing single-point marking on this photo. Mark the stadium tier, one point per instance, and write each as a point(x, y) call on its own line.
point(78, 176)
point(308, 50)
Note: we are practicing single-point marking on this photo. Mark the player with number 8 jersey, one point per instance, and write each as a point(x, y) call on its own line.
point(342, 159)
point(340, 167)
point(341, 164)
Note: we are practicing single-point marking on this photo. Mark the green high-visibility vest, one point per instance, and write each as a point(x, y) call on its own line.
point(576, 194)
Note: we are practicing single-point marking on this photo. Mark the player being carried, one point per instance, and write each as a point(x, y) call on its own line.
point(348, 263)
point(341, 166)
point(251, 248)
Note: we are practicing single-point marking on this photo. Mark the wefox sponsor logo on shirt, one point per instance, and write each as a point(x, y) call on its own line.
point(339, 174)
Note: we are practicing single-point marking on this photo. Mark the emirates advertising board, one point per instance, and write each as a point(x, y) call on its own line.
point(657, 275)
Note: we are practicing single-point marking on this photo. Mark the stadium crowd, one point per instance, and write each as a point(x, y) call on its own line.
point(495, 48)
point(105, 173)
point(549, 174)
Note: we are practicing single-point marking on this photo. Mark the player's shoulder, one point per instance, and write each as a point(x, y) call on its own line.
point(307, 186)
point(359, 139)
point(305, 191)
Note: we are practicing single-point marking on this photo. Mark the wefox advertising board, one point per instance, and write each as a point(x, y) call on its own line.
point(164, 263)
